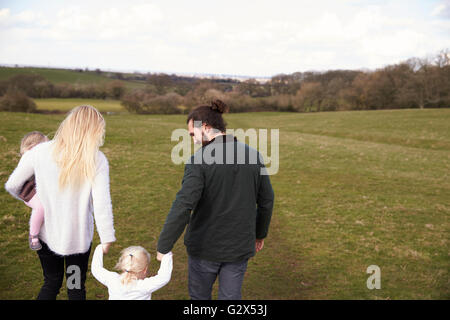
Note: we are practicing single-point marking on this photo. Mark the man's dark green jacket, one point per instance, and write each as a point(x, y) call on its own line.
point(225, 199)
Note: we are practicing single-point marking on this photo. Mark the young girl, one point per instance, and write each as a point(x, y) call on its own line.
point(132, 283)
point(28, 192)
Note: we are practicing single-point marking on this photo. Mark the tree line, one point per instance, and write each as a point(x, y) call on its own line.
point(414, 83)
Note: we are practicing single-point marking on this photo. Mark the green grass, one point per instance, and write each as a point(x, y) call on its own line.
point(65, 75)
point(353, 189)
point(67, 104)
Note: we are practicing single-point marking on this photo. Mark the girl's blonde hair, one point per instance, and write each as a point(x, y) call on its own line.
point(76, 145)
point(132, 261)
point(30, 140)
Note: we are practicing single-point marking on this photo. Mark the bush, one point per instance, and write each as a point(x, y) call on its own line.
point(3, 87)
point(240, 103)
point(16, 101)
point(116, 89)
point(33, 85)
point(166, 104)
point(132, 101)
point(143, 103)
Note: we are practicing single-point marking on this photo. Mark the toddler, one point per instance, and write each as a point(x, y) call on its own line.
point(28, 191)
point(132, 283)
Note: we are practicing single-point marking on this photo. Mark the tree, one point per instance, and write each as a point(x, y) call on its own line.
point(116, 89)
point(31, 84)
point(309, 97)
point(253, 88)
point(160, 81)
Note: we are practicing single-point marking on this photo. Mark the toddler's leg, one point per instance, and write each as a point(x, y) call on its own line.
point(36, 220)
point(37, 215)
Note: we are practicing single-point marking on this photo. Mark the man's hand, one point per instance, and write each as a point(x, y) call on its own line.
point(159, 256)
point(259, 244)
point(105, 247)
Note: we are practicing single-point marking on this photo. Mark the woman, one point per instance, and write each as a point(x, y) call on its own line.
point(72, 181)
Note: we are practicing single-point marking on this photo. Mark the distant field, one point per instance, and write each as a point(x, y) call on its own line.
point(64, 75)
point(67, 104)
point(354, 189)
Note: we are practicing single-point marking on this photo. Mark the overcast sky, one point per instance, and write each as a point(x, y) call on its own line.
point(244, 37)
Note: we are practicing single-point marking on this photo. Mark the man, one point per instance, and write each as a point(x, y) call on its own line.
point(226, 200)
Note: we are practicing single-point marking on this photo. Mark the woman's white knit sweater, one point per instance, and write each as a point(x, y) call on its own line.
point(68, 226)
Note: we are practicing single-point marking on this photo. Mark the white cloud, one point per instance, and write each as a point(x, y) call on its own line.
point(26, 17)
point(4, 13)
point(199, 30)
point(442, 9)
point(236, 37)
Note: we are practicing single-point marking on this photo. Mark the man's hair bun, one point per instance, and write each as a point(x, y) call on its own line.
point(219, 106)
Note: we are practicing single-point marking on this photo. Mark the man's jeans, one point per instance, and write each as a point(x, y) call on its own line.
point(203, 274)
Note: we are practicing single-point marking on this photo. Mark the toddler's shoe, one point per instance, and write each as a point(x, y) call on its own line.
point(34, 243)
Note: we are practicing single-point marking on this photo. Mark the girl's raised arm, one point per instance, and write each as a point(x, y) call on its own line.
point(164, 274)
point(100, 273)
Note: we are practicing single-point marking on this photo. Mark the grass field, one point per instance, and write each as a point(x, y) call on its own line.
point(354, 189)
point(65, 75)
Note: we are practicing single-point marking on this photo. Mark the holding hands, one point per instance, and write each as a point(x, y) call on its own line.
point(159, 256)
point(259, 244)
point(105, 247)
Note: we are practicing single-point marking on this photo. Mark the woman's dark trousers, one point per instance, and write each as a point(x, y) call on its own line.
point(55, 266)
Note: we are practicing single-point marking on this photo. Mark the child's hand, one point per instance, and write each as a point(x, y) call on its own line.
point(159, 256)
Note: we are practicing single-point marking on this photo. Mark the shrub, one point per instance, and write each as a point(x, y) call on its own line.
point(33, 85)
point(141, 102)
point(16, 101)
point(167, 104)
point(132, 101)
point(116, 89)
point(3, 87)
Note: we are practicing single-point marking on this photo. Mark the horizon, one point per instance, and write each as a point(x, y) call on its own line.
point(258, 40)
point(181, 74)
point(191, 74)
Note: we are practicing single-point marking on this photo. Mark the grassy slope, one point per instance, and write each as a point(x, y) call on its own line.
point(65, 75)
point(353, 189)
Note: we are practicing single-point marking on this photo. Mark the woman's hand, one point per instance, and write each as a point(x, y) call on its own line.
point(105, 247)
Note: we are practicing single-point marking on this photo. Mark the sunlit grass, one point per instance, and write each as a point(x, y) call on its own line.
point(64, 105)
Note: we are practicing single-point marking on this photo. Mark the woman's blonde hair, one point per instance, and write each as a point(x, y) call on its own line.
point(77, 142)
point(30, 140)
point(132, 261)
